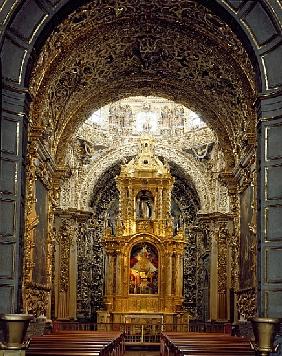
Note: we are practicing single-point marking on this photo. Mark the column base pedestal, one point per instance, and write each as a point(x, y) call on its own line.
point(12, 352)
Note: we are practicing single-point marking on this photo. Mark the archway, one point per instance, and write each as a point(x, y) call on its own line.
point(265, 43)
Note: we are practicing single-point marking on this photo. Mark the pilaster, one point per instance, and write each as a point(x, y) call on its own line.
point(14, 122)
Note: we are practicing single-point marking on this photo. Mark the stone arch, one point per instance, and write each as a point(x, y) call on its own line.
point(38, 21)
point(198, 177)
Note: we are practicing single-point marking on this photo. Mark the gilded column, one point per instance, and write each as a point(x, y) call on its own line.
point(222, 273)
point(169, 275)
point(178, 275)
point(65, 240)
point(213, 278)
point(119, 273)
point(181, 276)
point(160, 212)
point(73, 279)
point(31, 220)
point(107, 274)
point(110, 275)
point(131, 211)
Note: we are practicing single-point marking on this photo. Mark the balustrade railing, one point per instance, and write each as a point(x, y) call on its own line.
point(142, 333)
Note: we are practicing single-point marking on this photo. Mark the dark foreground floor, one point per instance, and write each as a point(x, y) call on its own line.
point(142, 351)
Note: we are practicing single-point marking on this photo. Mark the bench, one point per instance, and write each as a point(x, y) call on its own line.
point(80, 343)
point(203, 344)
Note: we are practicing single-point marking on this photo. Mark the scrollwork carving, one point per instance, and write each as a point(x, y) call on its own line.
point(157, 46)
point(90, 269)
point(37, 300)
point(223, 239)
point(30, 213)
point(190, 283)
point(65, 238)
point(37, 282)
point(247, 303)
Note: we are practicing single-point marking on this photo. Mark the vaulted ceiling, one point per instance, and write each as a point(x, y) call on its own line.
point(105, 51)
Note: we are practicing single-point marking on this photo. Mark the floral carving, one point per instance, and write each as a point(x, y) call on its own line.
point(105, 51)
point(167, 46)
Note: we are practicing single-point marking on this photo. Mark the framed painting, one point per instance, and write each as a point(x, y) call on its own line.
point(143, 274)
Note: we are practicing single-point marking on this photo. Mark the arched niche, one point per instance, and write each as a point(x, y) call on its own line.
point(144, 205)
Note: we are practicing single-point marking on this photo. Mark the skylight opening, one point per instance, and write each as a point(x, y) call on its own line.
point(96, 118)
point(195, 121)
point(147, 122)
point(154, 115)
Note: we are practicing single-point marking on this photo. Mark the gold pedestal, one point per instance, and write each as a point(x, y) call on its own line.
point(265, 330)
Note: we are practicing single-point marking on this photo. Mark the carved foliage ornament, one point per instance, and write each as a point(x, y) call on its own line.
point(36, 295)
point(90, 268)
point(223, 237)
point(65, 238)
point(37, 300)
point(247, 303)
point(166, 46)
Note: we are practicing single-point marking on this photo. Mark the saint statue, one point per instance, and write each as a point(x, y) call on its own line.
point(145, 209)
point(144, 205)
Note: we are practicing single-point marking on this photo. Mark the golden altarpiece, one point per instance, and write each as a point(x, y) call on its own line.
point(143, 260)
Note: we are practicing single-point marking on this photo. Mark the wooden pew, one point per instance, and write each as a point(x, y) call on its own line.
point(81, 343)
point(203, 344)
point(73, 345)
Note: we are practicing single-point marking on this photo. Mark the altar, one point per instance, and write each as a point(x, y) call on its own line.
point(143, 327)
point(144, 258)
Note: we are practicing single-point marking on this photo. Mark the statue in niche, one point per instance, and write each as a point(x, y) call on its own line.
point(166, 117)
point(145, 209)
point(111, 220)
point(177, 224)
point(144, 205)
point(111, 226)
point(119, 227)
